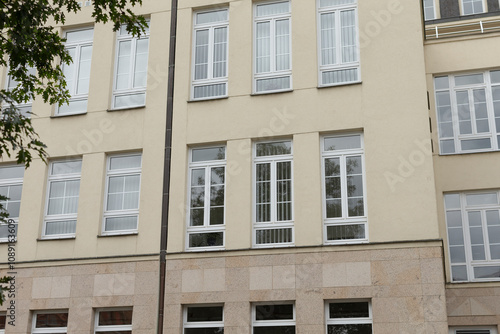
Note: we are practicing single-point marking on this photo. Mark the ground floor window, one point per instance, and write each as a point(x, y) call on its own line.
point(50, 322)
point(113, 321)
point(204, 319)
point(273, 318)
point(348, 317)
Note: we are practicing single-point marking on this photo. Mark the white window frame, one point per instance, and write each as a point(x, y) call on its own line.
point(76, 60)
point(338, 38)
point(25, 108)
point(434, 14)
point(121, 213)
point(348, 321)
point(130, 90)
point(60, 217)
point(273, 73)
point(8, 183)
point(111, 328)
point(457, 137)
point(469, 330)
point(469, 262)
point(273, 224)
point(273, 323)
point(344, 220)
point(50, 330)
point(201, 324)
point(210, 80)
point(206, 228)
point(462, 8)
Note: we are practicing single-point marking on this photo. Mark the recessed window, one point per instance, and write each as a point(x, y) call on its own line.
point(338, 42)
point(204, 319)
point(131, 69)
point(123, 183)
point(344, 193)
point(272, 47)
point(273, 198)
point(49, 322)
point(275, 318)
point(207, 168)
point(210, 54)
point(62, 198)
point(429, 10)
point(349, 317)
point(468, 112)
point(473, 223)
point(473, 330)
point(79, 46)
point(113, 321)
point(11, 186)
point(470, 7)
point(24, 106)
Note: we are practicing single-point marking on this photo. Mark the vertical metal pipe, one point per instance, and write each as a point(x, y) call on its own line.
point(167, 166)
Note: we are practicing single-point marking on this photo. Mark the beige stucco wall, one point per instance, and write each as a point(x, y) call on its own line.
point(404, 283)
point(92, 137)
point(389, 107)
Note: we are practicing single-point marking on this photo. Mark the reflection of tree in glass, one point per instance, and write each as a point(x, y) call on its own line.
point(350, 329)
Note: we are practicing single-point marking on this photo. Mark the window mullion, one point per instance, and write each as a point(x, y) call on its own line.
point(206, 209)
point(338, 38)
point(273, 194)
point(472, 109)
point(272, 44)
point(467, 241)
point(210, 60)
point(133, 50)
point(486, 238)
point(78, 50)
point(343, 186)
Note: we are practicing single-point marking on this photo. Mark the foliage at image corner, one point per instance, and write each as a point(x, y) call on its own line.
point(29, 40)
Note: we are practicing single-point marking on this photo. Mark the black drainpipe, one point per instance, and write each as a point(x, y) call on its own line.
point(167, 166)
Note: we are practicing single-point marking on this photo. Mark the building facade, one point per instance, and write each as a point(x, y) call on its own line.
point(333, 169)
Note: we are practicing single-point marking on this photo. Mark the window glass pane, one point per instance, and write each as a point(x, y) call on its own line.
point(459, 273)
point(120, 223)
point(447, 146)
point(3, 319)
point(282, 32)
point(201, 54)
point(454, 218)
point(263, 47)
point(125, 162)
point(207, 154)
point(277, 148)
point(79, 36)
point(342, 143)
point(220, 52)
point(210, 17)
point(469, 79)
point(273, 9)
point(206, 239)
point(274, 312)
point(476, 144)
point(348, 36)
point(495, 76)
point(84, 70)
point(115, 318)
point(11, 172)
point(352, 328)
point(207, 313)
point(329, 3)
point(457, 254)
point(274, 330)
point(60, 227)
point(349, 310)
point(211, 330)
point(130, 100)
point(345, 232)
point(273, 84)
point(482, 199)
point(273, 236)
point(67, 167)
point(441, 82)
point(328, 42)
point(51, 320)
point(487, 272)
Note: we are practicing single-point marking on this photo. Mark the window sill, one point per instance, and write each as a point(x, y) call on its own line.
point(273, 92)
point(341, 84)
point(56, 238)
point(123, 234)
point(205, 249)
point(209, 99)
point(6, 242)
point(126, 108)
point(67, 115)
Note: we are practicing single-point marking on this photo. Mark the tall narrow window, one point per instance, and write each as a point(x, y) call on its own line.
point(203, 319)
point(77, 73)
point(272, 47)
point(470, 7)
point(11, 186)
point(62, 199)
point(273, 318)
point(429, 10)
point(473, 222)
point(131, 69)
point(468, 112)
point(210, 54)
point(113, 321)
point(273, 194)
point(49, 322)
point(206, 198)
point(122, 199)
point(339, 45)
point(24, 106)
point(349, 317)
point(343, 189)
